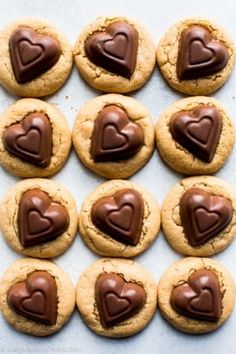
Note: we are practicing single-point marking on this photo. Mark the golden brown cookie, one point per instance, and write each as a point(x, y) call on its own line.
point(113, 135)
point(36, 296)
point(195, 135)
point(35, 139)
point(116, 297)
point(39, 218)
point(198, 216)
point(115, 54)
point(36, 59)
point(196, 56)
point(196, 295)
point(119, 219)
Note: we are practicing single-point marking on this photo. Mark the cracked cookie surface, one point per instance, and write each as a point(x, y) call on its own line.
point(105, 80)
point(83, 129)
point(173, 226)
point(18, 272)
point(9, 222)
point(130, 271)
point(178, 157)
point(167, 55)
point(104, 244)
point(61, 138)
point(46, 83)
point(179, 273)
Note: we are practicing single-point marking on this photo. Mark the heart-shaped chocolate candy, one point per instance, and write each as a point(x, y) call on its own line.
point(115, 49)
point(120, 216)
point(199, 54)
point(203, 215)
point(30, 140)
point(199, 297)
point(40, 219)
point(198, 131)
point(32, 54)
point(35, 298)
point(114, 136)
point(117, 299)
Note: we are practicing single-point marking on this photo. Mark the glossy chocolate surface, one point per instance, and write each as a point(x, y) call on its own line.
point(30, 140)
point(199, 54)
point(35, 298)
point(117, 300)
point(114, 49)
point(120, 216)
point(203, 215)
point(199, 297)
point(40, 219)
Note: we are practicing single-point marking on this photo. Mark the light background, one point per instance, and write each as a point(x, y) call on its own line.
point(157, 15)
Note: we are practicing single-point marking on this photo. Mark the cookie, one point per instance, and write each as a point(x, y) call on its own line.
point(195, 135)
point(113, 135)
point(116, 297)
point(198, 216)
point(119, 219)
point(115, 54)
point(36, 59)
point(196, 295)
point(196, 56)
point(39, 218)
point(36, 296)
point(35, 139)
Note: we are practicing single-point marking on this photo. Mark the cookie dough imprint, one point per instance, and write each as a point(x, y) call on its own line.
point(9, 222)
point(178, 157)
point(103, 244)
point(105, 80)
point(131, 272)
point(61, 138)
point(167, 57)
point(172, 223)
point(83, 130)
point(17, 273)
point(179, 273)
point(53, 78)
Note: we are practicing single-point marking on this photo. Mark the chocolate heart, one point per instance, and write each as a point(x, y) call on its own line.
point(114, 50)
point(203, 215)
point(199, 297)
point(40, 219)
point(117, 299)
point(198, 131)
point(36, 298)
point(32, 54)
point(114, 137)
point(200, 55)
point(120, 216)
point(30, 140)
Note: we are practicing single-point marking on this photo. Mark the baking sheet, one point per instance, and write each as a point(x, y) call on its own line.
point(157, 15)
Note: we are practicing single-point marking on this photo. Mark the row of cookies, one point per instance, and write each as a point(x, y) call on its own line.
point(114, 54)
point(119, 219)
point(117, 297)
point(113, 135)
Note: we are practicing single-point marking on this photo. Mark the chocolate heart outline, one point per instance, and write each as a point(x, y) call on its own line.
point(133, 133)
point(50, 56)
point(94, 49)
point(185, 294)
point(36, 121)
point(43, 283)
point(179, 126)
point(41, 203)
point(113, 283)
point(186, 71)
point(195, 198)
point(103, 208)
